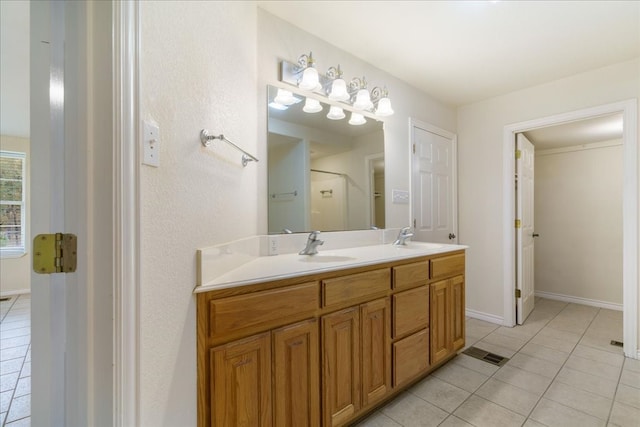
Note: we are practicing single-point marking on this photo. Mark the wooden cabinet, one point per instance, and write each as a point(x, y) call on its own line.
point(296, 375)
point(356, 366)
point(376, 350)
point(329, 347)
point(447, 318)
point(341, 366)
point(241, 382)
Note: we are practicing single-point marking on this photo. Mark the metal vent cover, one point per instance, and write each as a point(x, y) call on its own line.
point(486, 356)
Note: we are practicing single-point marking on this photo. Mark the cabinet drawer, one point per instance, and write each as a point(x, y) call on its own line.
point(264, 307)
point(447, 266)
point(407, 275)
point(342, 290)
point(410, 357)
point(410, 311)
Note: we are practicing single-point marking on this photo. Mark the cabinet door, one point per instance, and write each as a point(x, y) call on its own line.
point(440, 311)
point(296, 375)
point(376, 350)
point(340, 366)
point(458, 312)
point(241, 374)
point(410, 311)
point(410, 357)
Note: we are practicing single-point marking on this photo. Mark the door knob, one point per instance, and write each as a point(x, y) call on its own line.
point(452, 236)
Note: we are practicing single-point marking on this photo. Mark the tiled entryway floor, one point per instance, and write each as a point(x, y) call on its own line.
point(15, 361)
point(562, 372)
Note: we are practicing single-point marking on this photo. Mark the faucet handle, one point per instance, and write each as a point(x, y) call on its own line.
point(314, 235)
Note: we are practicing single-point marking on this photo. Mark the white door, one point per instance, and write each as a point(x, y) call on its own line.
point(524, 227)
point(434, 184)
point(58, 379)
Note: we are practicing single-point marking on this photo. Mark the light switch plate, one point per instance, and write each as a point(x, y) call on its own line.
point(151, 144)
point(400, 197)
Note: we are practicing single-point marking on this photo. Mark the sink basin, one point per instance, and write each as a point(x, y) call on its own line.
point(325, 258)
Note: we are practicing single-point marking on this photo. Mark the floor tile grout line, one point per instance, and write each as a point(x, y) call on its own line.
point(613, 401)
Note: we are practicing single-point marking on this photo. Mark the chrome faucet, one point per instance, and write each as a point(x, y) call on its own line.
point(403, 236)
point(312, 244)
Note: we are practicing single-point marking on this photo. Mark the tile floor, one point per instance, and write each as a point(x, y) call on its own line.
point(15, 361)
point(562, 371)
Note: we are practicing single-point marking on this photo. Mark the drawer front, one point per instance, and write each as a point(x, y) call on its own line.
point(410, 274)
point(410, 357)
point(264, 307)
point(410, 311)
point(447, 266)
point(342, 290)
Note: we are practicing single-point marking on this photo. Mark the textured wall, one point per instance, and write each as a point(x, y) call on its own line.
point(198, 71)
point(578, 214)
point(480, 143)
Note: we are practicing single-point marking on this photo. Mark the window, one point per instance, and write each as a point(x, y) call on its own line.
point(12, 203)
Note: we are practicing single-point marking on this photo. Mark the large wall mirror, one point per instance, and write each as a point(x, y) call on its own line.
point(323, 174)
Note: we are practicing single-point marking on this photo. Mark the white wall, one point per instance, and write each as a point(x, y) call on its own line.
point(480, 157)
point(280, 40)
point(198, 70)
point(15, 273)
point(578, 214)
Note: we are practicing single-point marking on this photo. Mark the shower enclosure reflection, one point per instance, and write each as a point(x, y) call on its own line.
point(323, 174)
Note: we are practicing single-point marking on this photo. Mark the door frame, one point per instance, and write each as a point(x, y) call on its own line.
point(370, 186)
point(629, 110)
point(454, 172)
point(126, 189)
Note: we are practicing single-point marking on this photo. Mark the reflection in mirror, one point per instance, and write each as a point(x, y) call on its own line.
point(323, 174)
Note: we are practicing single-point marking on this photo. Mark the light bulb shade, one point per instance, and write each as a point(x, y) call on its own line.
point(357, 119)
point(310, 79)
point(285, 97)
point(312, 106)
point(363, 100)
point(384, 107)
point(339, 90)
point(335, 113)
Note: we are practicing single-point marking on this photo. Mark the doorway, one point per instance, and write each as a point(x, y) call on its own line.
point(628, 109)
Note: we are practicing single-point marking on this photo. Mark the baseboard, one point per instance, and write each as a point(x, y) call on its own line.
point(579, 300)
point(484, 316)
point(16, 292)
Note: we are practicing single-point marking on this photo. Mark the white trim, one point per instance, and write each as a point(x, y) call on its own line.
point(126, 72)
point(484, 316)
point(454, 172)
point(579, 300)
point(15, 292)
point(583, 147)
point(629, 109)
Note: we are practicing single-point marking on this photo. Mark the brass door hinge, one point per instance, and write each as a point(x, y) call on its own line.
point(518, 223)
point(55, 253)
point(518, 293)
point(518, 154)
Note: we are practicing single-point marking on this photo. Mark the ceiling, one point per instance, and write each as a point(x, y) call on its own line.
point(581, 132)
point(461, 52)
point(457, 51)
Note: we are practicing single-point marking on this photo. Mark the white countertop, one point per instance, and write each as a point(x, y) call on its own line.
point(265, 268)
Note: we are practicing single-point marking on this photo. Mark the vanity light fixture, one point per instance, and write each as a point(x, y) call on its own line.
point(363, 98)
point(336, 113)
point(382, 102)
point(338, 90)
point(310, 79)
point(357, 119)
point(312, 106)
point(331, 85)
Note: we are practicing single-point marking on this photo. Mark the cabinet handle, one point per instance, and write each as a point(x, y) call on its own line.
point(535, 235)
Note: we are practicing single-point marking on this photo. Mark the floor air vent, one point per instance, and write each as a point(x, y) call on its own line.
point(485, 356)
point(617, 343)
point(5, 299)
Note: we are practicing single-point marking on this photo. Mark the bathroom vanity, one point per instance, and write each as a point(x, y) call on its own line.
point(330, 339)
